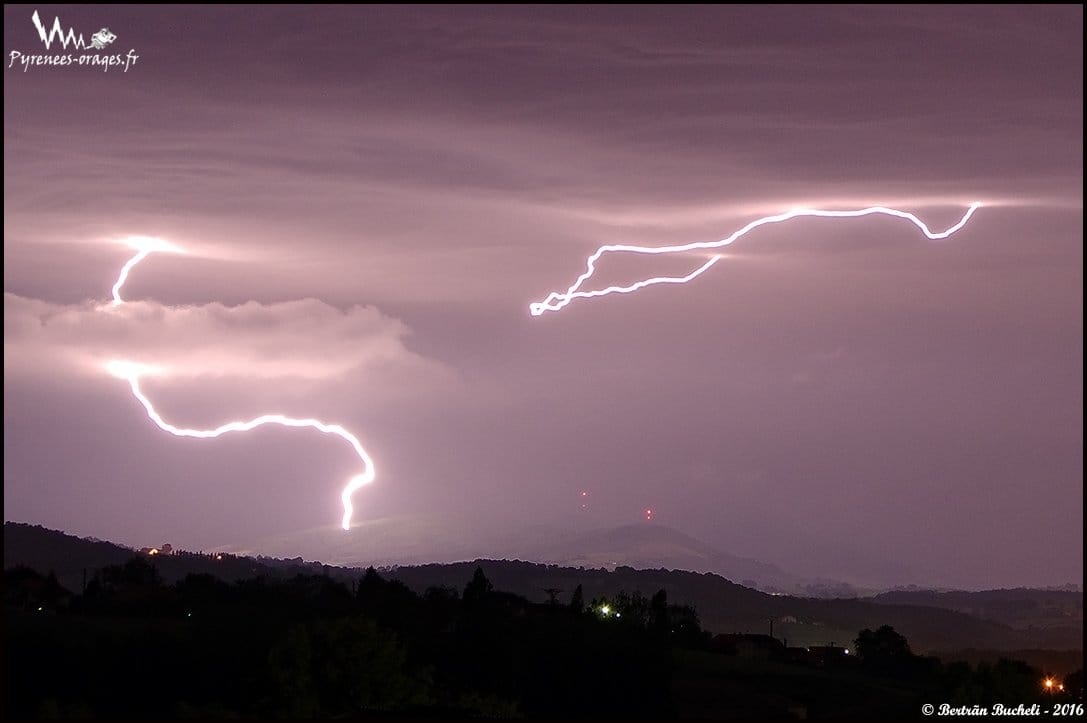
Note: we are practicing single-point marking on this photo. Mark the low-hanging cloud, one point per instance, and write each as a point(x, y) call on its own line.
point(305, 339)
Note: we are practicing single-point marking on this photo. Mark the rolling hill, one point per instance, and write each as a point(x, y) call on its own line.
point(723, 605)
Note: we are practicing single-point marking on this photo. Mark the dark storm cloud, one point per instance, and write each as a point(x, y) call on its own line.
point(832, 382)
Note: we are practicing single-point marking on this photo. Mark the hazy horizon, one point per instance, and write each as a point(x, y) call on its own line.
point(370, 198)
point(388, 542)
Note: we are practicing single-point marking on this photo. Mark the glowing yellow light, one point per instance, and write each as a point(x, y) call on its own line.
point(153, 551)
point(605, 610)
point(1048, 683)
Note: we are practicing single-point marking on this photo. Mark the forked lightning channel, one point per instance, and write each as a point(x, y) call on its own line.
point(557, 300)
point(131, 372)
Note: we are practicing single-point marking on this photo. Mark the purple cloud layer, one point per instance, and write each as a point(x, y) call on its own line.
point(372, 196)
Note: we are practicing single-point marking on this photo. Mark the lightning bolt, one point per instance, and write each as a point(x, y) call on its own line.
point(558, 300)
point(123, 277)
point(57, 33)
point(131, 372)
point(145, 246)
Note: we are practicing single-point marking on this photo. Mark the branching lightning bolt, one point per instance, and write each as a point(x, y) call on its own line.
point(557, 300)
point(131, 372)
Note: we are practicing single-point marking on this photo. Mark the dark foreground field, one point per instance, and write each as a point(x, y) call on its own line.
point(133, 646)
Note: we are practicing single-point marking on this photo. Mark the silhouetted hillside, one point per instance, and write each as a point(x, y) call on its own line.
point(130, 646)
point(1021, 608)
point(422, 539)
point(69, 557)
point(656, 546)
point(65, 555)
point(723, 606)
point(1059, 662)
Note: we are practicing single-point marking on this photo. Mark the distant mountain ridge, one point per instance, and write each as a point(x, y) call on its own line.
point(724, 606)
point(1021, 608)
point(656, 546)
point(419, 540)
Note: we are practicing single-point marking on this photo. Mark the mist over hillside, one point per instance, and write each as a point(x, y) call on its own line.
point(420, 540)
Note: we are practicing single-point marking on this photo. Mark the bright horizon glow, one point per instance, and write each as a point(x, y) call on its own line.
point(558, 300)
point(132, 371)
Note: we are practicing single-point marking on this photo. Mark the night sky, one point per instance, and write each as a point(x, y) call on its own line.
point(371, 197)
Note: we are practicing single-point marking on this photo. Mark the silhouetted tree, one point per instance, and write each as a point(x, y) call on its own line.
point(685, 627)
point(24, 587)
point(136, 571)
point(883, 649)
point(441, 593)
point(370, 584)
point(478, 588)
point(335, 668)
point(577, 600)
point(203, 591)
point(1013, 682)
point(305, 646)
point(658, 612)
point(1073, 684)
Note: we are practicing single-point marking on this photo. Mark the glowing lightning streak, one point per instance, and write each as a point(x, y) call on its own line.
point(145, 246)
point(131, 373)
point(123, 277)
point(556, 300)
point(125, 371)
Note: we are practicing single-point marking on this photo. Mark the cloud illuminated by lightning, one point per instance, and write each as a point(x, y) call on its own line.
point(557, 300)
point(132, 371)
